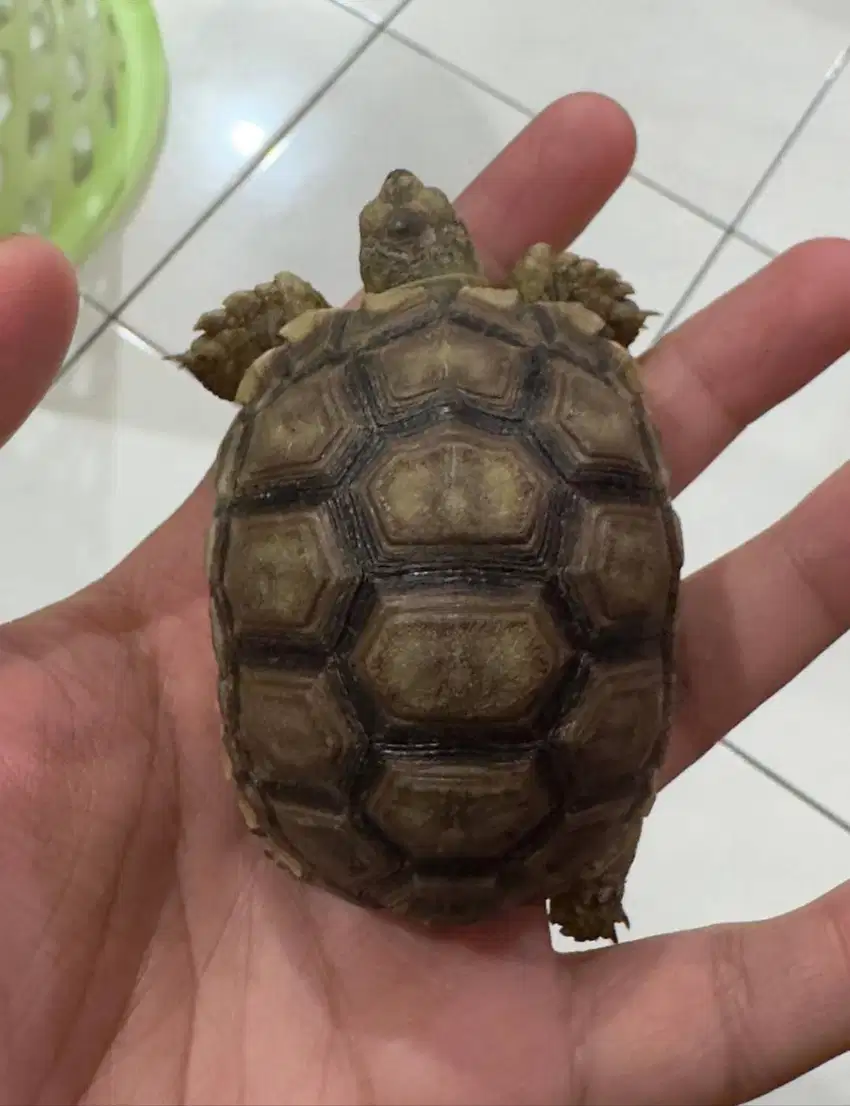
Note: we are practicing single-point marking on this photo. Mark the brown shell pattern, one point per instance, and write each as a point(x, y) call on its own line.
point(444, 572)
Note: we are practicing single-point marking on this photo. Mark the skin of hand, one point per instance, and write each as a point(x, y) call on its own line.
point(149, 953)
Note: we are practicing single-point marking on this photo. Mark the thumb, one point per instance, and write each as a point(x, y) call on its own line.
point(38, 311)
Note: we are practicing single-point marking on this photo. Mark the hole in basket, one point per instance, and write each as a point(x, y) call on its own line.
point(78, 77)
point(95, 205)
point(110, 101)
point(41, 125)
point(7, 10)
point(37, 214)
point(82, 155)
point(42, 29)
point(6, 71)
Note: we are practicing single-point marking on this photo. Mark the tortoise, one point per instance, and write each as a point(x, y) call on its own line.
point(444, 571)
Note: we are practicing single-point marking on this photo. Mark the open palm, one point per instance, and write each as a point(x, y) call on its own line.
point(149, 952)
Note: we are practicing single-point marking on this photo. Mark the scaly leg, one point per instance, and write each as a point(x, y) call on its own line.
point(544, 275)
point(247, 325)
point(593, 907)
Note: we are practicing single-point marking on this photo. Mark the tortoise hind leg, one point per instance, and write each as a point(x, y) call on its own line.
point(592, 907)
point(591, 915)
point(543, 274)
point(246, 325)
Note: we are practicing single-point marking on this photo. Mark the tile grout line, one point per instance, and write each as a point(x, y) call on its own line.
point(755, 244)
point(786, 785)
point(383, 27)
point(451, 67)
point(530, 113)
point(833, 73)
point(250, 166)
point(382, 23)
point(681, 201)
point(728, 230)
point(357, 14)
point(114, 316)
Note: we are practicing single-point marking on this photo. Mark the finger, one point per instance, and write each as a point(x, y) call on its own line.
point(549, 183)
point(756, 617)
point(720, 1015)
point(545, 186)
point(751, 349)
point(38, 311)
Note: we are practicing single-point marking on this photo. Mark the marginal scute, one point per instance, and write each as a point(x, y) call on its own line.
point(330, 843)
point(590, 422)
point(248, 813)
point(260, 374)
point(459, 656)
point(628, 368)
point(612, 732)
point(286, 574)
point(620, 567)
point(225, 468)
point(500, 309)
point(384, 316)
point(284, 857)
point(577, 838)
point(307, 429)
point(395, 300)
point(456, 487)
point(440, 809)
point(306, 324)
point(437, 900)
point(574, 314)
point(293, 728)
point(502, 299)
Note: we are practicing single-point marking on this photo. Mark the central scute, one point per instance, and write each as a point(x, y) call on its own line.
point(453, 486)
point(459, 656)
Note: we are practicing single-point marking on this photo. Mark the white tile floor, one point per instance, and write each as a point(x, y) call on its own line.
point(719, 91)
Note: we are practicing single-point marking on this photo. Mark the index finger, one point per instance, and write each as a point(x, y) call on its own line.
point(550, 182)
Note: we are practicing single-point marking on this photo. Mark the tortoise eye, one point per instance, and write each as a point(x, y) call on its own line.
point(406, 224)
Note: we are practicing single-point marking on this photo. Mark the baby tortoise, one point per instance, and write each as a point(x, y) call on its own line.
point(444, 570)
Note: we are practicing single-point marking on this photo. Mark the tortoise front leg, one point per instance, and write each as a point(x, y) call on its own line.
point(543, 274)
point(247, 325)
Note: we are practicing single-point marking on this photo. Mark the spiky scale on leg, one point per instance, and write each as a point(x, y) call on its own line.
point(247, 325)
point(544, 275)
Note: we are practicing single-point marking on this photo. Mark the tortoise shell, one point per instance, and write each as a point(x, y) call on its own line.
point(444, 571)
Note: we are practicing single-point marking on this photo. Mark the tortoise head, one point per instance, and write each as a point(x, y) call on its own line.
point(409, 233)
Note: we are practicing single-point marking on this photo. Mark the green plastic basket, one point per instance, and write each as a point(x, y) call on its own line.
point(83, 100)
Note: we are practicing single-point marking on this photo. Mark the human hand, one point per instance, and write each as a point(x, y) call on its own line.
point(148, 950)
